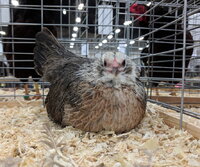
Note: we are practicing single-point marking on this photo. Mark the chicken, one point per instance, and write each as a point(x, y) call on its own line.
point(168, 65)
point(89, 94)
point(19, 50)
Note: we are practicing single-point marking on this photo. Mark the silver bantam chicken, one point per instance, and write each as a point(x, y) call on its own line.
point(89, 94)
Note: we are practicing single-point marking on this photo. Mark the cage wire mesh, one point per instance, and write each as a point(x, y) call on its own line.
point(162, 37)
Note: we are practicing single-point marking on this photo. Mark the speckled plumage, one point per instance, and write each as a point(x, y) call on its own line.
point(84, 93)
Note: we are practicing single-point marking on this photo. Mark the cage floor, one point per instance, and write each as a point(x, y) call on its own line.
point(29, 138)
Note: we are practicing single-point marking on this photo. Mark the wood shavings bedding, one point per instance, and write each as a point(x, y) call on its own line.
point(196, 110)
point(29, 138)
point(178, 94)
point(175, 92)
point(186, 118)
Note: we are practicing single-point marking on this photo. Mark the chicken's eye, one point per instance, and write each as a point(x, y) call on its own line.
point(123, 63)
point(105, 63)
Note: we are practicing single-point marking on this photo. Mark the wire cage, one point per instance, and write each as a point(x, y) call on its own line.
point(162, 37)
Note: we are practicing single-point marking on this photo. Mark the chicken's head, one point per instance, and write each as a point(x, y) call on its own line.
point(138, 10)
point(117, 69)
point(114, 69)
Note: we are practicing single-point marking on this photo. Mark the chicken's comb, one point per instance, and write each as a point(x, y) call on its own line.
point(133, 8)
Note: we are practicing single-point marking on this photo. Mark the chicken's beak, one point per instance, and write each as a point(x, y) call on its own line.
point(115, 71)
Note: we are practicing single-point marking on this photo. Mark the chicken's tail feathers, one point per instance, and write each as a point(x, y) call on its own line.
point(46, 46)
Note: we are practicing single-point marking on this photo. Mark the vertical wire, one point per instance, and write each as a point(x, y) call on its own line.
point(128, 27)
point(117, 22)
point(61, 23)
point(87, 41)
point(42, 25)
point(183, 61)
point(13, 49)
point(175, 39)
